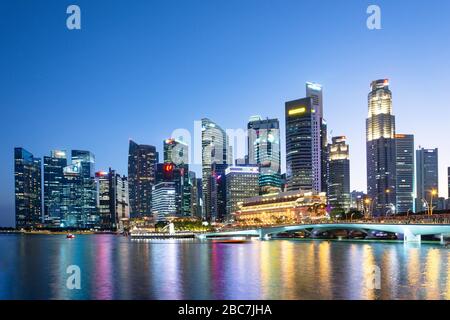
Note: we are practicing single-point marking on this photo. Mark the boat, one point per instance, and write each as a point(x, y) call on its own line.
point(70, 236)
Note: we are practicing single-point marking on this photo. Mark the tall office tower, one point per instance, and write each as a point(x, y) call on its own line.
point(164, 201)
point(86, 164)
point(214, 150)
point(176, 151)
point(112, 200)
point(264, 151)
point(241, 183)
point(141, 178)
point(303, 163)
point(314, 90)
point(200, 205)
point(195, 205)
point(381, 159)
point(218, 192)
point(448, 181)
point(72, 194)
point(427, 177)
point(179, 175)
point(339, 174)
point(53, 187)
point(28, 198)
point(404, 144)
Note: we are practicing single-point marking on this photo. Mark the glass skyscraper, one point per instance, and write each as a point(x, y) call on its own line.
point(85, 160)
point(427, 177)
point(53, 187)
point(315, 91)
point(142, 160)
point(264, 151)
point(214, 150)
point(339, 174)
point(79, 193)
point(301, 168)
point(112, 200)
point(28, 198)
point(176, 152)
point(306, 142)
point(381, 158)
point(164, 200)
point(405, 172)
point(242, 182)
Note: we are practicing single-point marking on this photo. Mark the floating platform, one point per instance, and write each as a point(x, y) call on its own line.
point(162, 235)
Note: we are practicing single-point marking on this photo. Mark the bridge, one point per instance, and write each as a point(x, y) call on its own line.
point(410, 232)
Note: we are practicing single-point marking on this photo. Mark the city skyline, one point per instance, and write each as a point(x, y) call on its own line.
point(248, 93)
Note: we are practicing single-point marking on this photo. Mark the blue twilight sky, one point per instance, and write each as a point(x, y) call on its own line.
point(140, 69)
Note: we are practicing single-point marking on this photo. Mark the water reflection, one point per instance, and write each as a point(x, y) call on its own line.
point(113, 267)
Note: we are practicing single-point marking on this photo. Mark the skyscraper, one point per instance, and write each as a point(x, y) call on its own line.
point(405, 172)
point(85, 161)
point(218, 191)
point(28, 198)
point(339, 174)
point(112, 200)
point(175, 151)
point(214, 150)
point(381, 159)
point(302, 147)
point(427, 177)
point(141, 178)
point(448, 182)
point(164, 202)
point(315, 91)
point(264, 151)
point(53, 187)
point(241, 183)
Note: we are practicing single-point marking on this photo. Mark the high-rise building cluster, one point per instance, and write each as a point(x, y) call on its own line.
point(399, 180)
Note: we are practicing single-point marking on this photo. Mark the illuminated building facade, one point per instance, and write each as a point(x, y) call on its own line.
point(320, 147)
point(302, 146)
point(448, 182)
point(53, 186)
point(27, 180)
point(242, 182)
point(284, 208)
point(112, 200)
point(175, 151)
point(85, 160)
point(79, 192)
point(381, 158)
point(214, 150)
point(404, 144)
point(142, 160)
point(164, 200)
point(427, 177)
point(218, 192)
point(264, 151)
point(339, 174)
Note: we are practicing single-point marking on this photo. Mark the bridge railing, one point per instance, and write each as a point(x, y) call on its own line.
point(412, 219)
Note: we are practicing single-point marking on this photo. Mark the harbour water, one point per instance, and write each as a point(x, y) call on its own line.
point(116, 267)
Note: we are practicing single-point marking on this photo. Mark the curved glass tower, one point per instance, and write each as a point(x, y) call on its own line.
point(214, 151)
